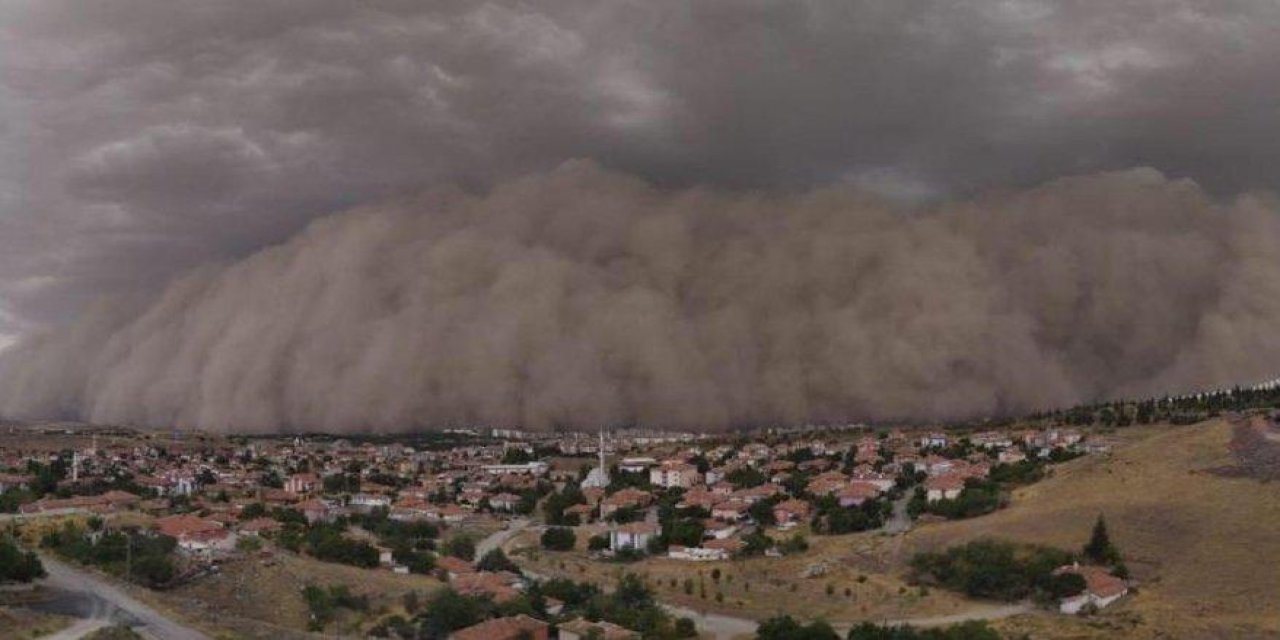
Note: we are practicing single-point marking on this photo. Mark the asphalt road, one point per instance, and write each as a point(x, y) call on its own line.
point(149, 622)
point(499, 538)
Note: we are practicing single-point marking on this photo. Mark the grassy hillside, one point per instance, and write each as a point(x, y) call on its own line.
point(253, 600)
point(1206, 548)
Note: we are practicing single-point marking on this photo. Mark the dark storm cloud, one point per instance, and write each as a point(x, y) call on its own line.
point(584, 297)
point(142, 138)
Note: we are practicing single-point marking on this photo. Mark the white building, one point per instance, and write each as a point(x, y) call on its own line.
point(535, 468)
point(635, 535)
point(697, 554)
point(636, 465)
point(674, 473)
point(369, 501)
point(1101, 589)
point(946, 487)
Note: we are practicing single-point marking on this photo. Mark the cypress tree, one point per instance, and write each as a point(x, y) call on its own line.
point(1099, 549)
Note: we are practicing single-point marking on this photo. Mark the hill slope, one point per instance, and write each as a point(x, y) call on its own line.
point(1204, 546)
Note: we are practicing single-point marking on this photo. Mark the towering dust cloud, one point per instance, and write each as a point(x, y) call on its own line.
point(582, 297)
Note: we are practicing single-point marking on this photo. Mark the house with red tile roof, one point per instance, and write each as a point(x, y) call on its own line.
point(790, 511)
point(1101, 588)
point(856, 493)
point(454, 567)
point(519, 627)
point(196, 534)
point(501, 586)
point(944, 487)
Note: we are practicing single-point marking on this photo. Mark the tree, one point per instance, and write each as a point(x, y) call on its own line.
point(17, 565)
point(496, 560)
point(686, 628)
point(1099, 548)
point(786, 628)
point(559, 539)
point(762, 512)
point(1065, 585)
point(632, 592)
point(461, 546)
point(449, 611)
point(992, 569)
point(554, 506)
point(972, 630)
point(253, 510)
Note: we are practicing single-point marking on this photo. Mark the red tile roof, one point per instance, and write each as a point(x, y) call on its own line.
point(503, 629)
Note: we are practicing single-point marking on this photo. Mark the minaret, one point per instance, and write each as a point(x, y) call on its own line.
point(603, 469)
point(75, 466)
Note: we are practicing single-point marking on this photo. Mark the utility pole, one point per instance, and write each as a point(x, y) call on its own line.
point(128, 557)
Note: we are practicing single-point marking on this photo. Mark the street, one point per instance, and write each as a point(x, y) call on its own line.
point(149, 622)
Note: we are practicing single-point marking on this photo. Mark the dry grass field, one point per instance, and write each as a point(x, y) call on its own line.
point(18, 623)
point(1204, 547)
point(251, 599)
point(857, 583)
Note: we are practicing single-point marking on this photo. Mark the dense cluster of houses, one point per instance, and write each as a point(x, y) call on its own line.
point(853, 474)
point(201, 494)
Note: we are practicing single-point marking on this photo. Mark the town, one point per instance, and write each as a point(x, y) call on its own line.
point(534, 525)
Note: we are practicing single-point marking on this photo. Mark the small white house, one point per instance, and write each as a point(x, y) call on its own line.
point(366, 502)
point(635, 535)
point(1101, 589)
point(934, 440)
point(946, 487)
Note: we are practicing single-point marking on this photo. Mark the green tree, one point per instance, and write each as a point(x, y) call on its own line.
point(496, 560)
point(559, 539)
point(17, 565)
point(1099, 548)
point(461, 546)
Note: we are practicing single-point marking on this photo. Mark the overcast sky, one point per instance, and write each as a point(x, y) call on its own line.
point(147, 140)
point(142, 137)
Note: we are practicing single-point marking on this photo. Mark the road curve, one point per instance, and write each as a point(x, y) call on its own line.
point(151, 623)
point(499, 538)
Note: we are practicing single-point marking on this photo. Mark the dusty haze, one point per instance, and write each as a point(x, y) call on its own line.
point(582, 296)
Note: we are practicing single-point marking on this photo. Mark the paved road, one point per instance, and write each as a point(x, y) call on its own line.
point(150, 623)
point(499, 538)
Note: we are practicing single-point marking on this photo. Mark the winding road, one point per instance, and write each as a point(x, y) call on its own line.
point(107, 602)
point(499, 538)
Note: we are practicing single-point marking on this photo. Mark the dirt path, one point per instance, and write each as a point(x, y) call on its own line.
point(900, 520)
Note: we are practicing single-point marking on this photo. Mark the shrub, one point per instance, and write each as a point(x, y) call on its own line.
point(558, 539)
point(461, 546)
point(496, 560)
point(993, 569)
point(17, 565)
point(972, 630)
point(685, 628)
